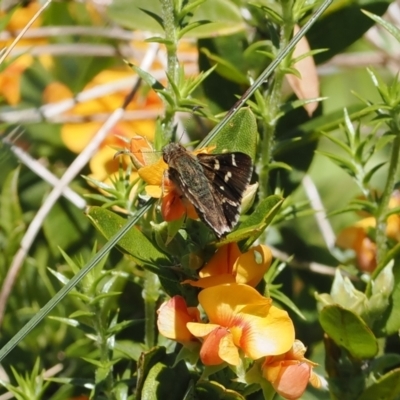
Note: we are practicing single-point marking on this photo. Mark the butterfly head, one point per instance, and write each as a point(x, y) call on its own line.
point(172, 150)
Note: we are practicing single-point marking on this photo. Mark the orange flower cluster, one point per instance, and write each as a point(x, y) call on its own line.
point(356, 237)
point(241, 323)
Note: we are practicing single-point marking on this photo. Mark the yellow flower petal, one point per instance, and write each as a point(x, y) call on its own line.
point(56, 91)
point(10, 78)
point(201, 330)
point(222, 303)
point(228, 351)
point(77, 136)
point(251, 266)
point(211, 281)
point(153, 191)
point(103, 164)
point(271, 335)
point(222, 261)
point(153, 174)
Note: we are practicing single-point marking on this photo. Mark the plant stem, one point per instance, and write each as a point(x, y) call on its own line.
point(380, 238)
point(270, 116)
point(104, 378)
point(150, 295)
point(171, 35)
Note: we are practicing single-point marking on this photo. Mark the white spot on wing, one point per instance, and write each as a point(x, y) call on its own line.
point(234, 161)
point(216, 165)
point(228, 175)
point(222, 188)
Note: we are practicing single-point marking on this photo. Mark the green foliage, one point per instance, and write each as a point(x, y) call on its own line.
point(105, 335)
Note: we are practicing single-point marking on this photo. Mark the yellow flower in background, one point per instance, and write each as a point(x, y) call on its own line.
point(240, 320)
point(356, 237)
point(14, 67)
point(290, 373)
point(19, 19)
point(10, 79)
point(229, 265)
point(77, 135)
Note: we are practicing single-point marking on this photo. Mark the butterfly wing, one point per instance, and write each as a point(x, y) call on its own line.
point(229, 174)
point(207, 205)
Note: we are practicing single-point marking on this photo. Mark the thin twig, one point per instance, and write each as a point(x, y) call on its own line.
point(74, 169)
point(55, 31)
point(317, 268)
point(320, 215)
point(23, 31)
point(75, 49)
point(44, 173)
point(49, 111)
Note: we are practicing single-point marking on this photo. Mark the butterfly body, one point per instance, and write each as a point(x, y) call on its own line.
point(213, 183)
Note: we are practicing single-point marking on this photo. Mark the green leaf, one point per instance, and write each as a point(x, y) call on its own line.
point(148, 78)
point(385, 24)
point(211, 390)
point(389, 323)
point(340, 161)
point(282, 298)
point(64, 226)
point(224, 14)
point(11, 219)
point(82, 313)
point(159, 39)
point(239, 135)
point(291, 71)
point(103, 296)
point(121, 326)
point(353, 24)
point(225, 68)
point(156, 379)
point(192, 26)
point(191, 84)
point(161, 382)
point(385, 362)
point(129, 349)
point(338, 142)
point(134, 242)
point(154, 16)
point(385, 388)
point(189, 7)
point(270, 13)
point(250, 229)
point(372, 171)
point(348, 330)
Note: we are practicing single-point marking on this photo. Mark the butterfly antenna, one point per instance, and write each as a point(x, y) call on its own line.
point(184, 137)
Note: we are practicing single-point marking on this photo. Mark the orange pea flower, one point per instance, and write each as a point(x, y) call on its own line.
point(240, 319)
point(173, 316)
point(229, 265)
point(290, 373)
point(173, 204)
point(356, 237)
